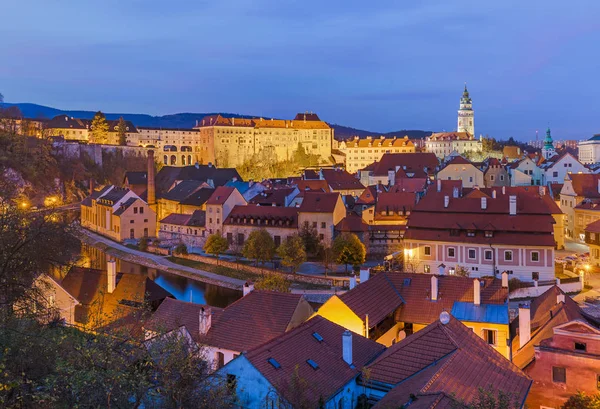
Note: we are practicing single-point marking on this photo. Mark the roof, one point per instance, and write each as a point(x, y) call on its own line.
point(176, 218)
point(405, 184)
point(443, 362)
point(275, 197)
point(450, 136)
point(339, 179)
point(293, 349)
point(593, 227)
point(395, 202)
point(368, 196)
point(585, 184)
point(421, 164)
point(113, 195)
point(168, 175)
point(317, 202)
point(125, 205)
point(488, 313)
point(220, 195)
point(381, 142)
point(317, 185)
point(306, 116)
point(136, 178)
point(182, 190)
point(254, 215)
point(408, 294)
point(198, 198)
point(172, 314)
point(352, 223)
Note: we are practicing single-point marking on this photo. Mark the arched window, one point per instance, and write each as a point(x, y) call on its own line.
point(166, 160)
point(189, 159)
point(173, 160)
point(183, 160)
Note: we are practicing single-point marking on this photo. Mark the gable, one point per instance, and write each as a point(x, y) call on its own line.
point(336, 311)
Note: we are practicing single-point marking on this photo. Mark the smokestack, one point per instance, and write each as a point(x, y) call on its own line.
point(151, 196)
point(434, 288)
point(205, 320)
point(504, 279)
point(476, 292)
point(92, 185)
point(347, 347)
point(248, 288)
point(524, 324)
point(512, 205)
point(111, 276)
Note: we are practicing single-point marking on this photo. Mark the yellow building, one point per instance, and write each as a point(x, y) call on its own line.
point(391, 306)
point(361, 152)
point(323, 211)
point(231, 141)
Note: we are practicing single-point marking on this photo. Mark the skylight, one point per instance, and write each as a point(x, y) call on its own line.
point(273, 362)
point(312, 364)
point(317, 336)
point(407, 281)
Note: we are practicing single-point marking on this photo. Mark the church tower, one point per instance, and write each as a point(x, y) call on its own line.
point(466, 114)
point(548, 149)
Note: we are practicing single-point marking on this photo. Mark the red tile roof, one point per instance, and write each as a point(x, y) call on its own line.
point(352, 223)
point(220, 195)
point(444, 362)
point(176, 218)
point(292, 350)
point(368, 196)
point(339, 179)
point(593, 227)
point(585, 184)
point(317, 185)
point(404, 184)
point(450, 136)
point(316, 202)
point(274, 197)
point(421, 164)
point(402, 202)
point(242, 215)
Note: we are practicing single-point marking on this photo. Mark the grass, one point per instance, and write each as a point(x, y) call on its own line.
point(239, 274)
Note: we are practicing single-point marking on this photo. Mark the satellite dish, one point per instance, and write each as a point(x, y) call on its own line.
point(444, 317)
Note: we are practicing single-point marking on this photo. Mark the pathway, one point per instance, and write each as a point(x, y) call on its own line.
point(161, 262)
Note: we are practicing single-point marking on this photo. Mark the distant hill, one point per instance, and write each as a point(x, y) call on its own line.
point(188, 120)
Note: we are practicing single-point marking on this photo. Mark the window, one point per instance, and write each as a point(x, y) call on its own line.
point(580, 346)
point(489, 233)
point(135, 210)
point(489, 335)
point(231, 382)
point(132, 234)
point(323, 225)
point(535, 275)
point(508, 255)
point(131, 221)
point(240, 238)
point(492, 178)
point(141, 210)
point(315, 225)
point(559, 374)
point(472, 254)
point(535, 256)
point(277, 240)
point(487, 255)
point(470, 233)
point(555, 174)
point(427, 251)
point(220, 358)
point(451, 252)
point(321, 237)
point(230, 238)
point(502, 177)
point(427, 268)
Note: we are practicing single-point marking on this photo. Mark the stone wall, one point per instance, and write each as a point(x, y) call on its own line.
point(95, 152)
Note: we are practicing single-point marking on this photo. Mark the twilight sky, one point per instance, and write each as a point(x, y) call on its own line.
point(380, 65)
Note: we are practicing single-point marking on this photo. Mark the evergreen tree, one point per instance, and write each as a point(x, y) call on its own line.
point(216, 244)
point(292, 252)
point(259, 246)
point(348, 249)
point(122, 132)
point(99, 129)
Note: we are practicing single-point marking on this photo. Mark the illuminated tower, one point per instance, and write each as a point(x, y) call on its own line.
point(548, 149)
point(466, 114)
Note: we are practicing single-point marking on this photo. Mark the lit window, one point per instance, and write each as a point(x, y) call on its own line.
point(451, 252)
point(489, 335)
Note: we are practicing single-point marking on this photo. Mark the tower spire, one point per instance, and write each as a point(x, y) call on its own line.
point(465, 114)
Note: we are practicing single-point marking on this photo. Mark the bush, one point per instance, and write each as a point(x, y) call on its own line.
point(273, 282)
point(180, 249)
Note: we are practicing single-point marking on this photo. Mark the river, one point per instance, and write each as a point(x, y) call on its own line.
point(182, 288)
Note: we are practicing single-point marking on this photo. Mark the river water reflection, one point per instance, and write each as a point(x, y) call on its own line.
point(182, 288)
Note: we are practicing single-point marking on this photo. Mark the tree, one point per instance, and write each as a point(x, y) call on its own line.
point(216, 244)
point(327, 257)
point(122, 132)
point(292, 252)
point(348, 249)
point(99, 129)
point(310, 237)
point(273, 282)
point(582, 401)
point(489, 398)
point(180, 249)
point(259, 246)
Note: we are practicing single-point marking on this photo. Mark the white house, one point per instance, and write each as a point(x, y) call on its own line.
point(589, 151)
point(316, 364)
point(558, 166)
point(526, 172)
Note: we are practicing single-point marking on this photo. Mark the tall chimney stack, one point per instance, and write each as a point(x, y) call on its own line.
point(111, 276)
point(434, 288)
point(347, 347)
point(151, 199)
point(91, 186)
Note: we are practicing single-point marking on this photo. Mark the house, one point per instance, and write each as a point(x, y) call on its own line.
point(118, 213)
point(323, 211)
point(313, 365)
point(494, 173)
point(460, 168)
point(57, 300)
point(168, 176)
point(576, 189)
point(395, 166)
point(249, 189)
point(442, 144)
point(589, 151)
point(391, 306)
point(440, 366)
point(556, 345)
point(219, 205)
point(559, 166)
point(241, 326)
point(526, 171)
point(189, 229)
point(185, 197)
point(278, 197)
point(341, 182)
point(107, 297)
point(361, 152)
point(484, 232)
point(280, 222)
point(136, 182)
point(592, 239)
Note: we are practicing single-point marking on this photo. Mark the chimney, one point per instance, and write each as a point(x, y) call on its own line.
point(391, 177)
point(455, 192)
point(494, 194)
point(543, 190)
point(441, 269)
point(111, 276)
point(439, 185)
point(446, 201)
point(483, 203)
point(352, 281)
point(91, 186)
point(524, 324)
point(151, 195)
point(476, 292)
point(504, 279)
point(512, 205)
point(364, 275)
point(560, 298)
point(599, 185)
point(248, 288)
point(347, 347)
point(205, 320)
point(434, 288)
point(503, 190)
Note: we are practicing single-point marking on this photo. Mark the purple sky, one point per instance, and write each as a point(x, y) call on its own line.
point(380, 65)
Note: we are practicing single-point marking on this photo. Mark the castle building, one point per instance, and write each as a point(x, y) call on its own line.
point(466, 114)
point(445, 143)
point(362, 152)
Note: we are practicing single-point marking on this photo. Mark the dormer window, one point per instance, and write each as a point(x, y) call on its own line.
point(470, 233)
point(454, 232)
point(489, 233)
